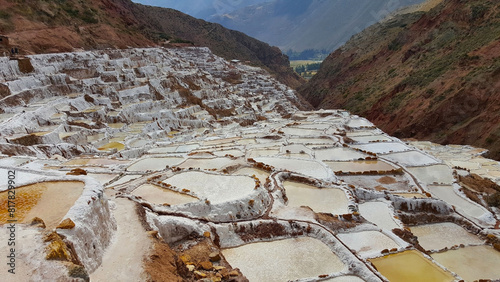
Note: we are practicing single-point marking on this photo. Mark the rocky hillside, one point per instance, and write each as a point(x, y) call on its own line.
point(63, 25)
point(432, 75)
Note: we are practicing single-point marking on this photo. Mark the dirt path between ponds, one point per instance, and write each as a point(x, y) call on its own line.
point(123, 259)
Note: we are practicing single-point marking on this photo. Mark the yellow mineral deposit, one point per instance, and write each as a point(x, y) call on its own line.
point(410, 266)
point(49, 201)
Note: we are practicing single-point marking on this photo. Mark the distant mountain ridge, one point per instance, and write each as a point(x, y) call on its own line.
point(202, 9)
point(300, 25)
point(432, 75)
point(63, 25)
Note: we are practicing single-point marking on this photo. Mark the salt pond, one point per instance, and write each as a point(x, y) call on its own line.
point(383, 147)
point(440, 235)
point(260, 174)
point(284, 260)
point(214, 163)
point(328, 200)
point(378, 182)
point(112, 145)
point(348, 278)
point(49, 201)
point(154, 163)
point(446, 193)
point(410, 266)
point(378, 213)
point(338, 154)
point(158, 195)
point(440, 174)
point(360, 166)
point(367, 243)
point(370, 138)
point(306, 167)
point(411, 158)
point(472, 263)
point(311, 141)
point(94, 162)
point(301, 131)
point(215, 188)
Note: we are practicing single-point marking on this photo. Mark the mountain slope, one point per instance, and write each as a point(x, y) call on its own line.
point(433, 75)
point(62, 25)
point(299, 25)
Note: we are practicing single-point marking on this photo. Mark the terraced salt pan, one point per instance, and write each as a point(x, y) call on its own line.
point(338, 154)
point(262, 152)
point(447, 194)
point(301, 131)
point(235, 153)
point(328, 200)
point(359, 122)
point(154, 163)
point(124, 179)
point(410, 266)
point(440, 235)
point(360, 166)
point(295, 149)
point(103, 178)
point(440, 174)
point(246, 142)
point(302, 166)
point(260, 174)
point(411, 158)
point(383, 147)
point(367, 243)
point(379, 214)
point(471, 263)
point(221, 141)
point(306, 141)
point(94, 162)
point(215, 188)
point(348, 278)
point(317, 126)
point(370, 138)
point(139, 143)
point(158, 195)
point(378, 182)
point(410, 195)
point(163, 150)
point(215, 163)
point(49, 201)
point(358, 132)
point(299, 156)
point(112, 145)
point(13, 161)
point(95, 137)
point(187, 148)
point(284, 260)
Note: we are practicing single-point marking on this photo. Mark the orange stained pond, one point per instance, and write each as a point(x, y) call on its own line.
point(410, 266)
point(360, 166)
point(472, 263)
point(49, 201)
point(158, 195)
point(112, 145)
